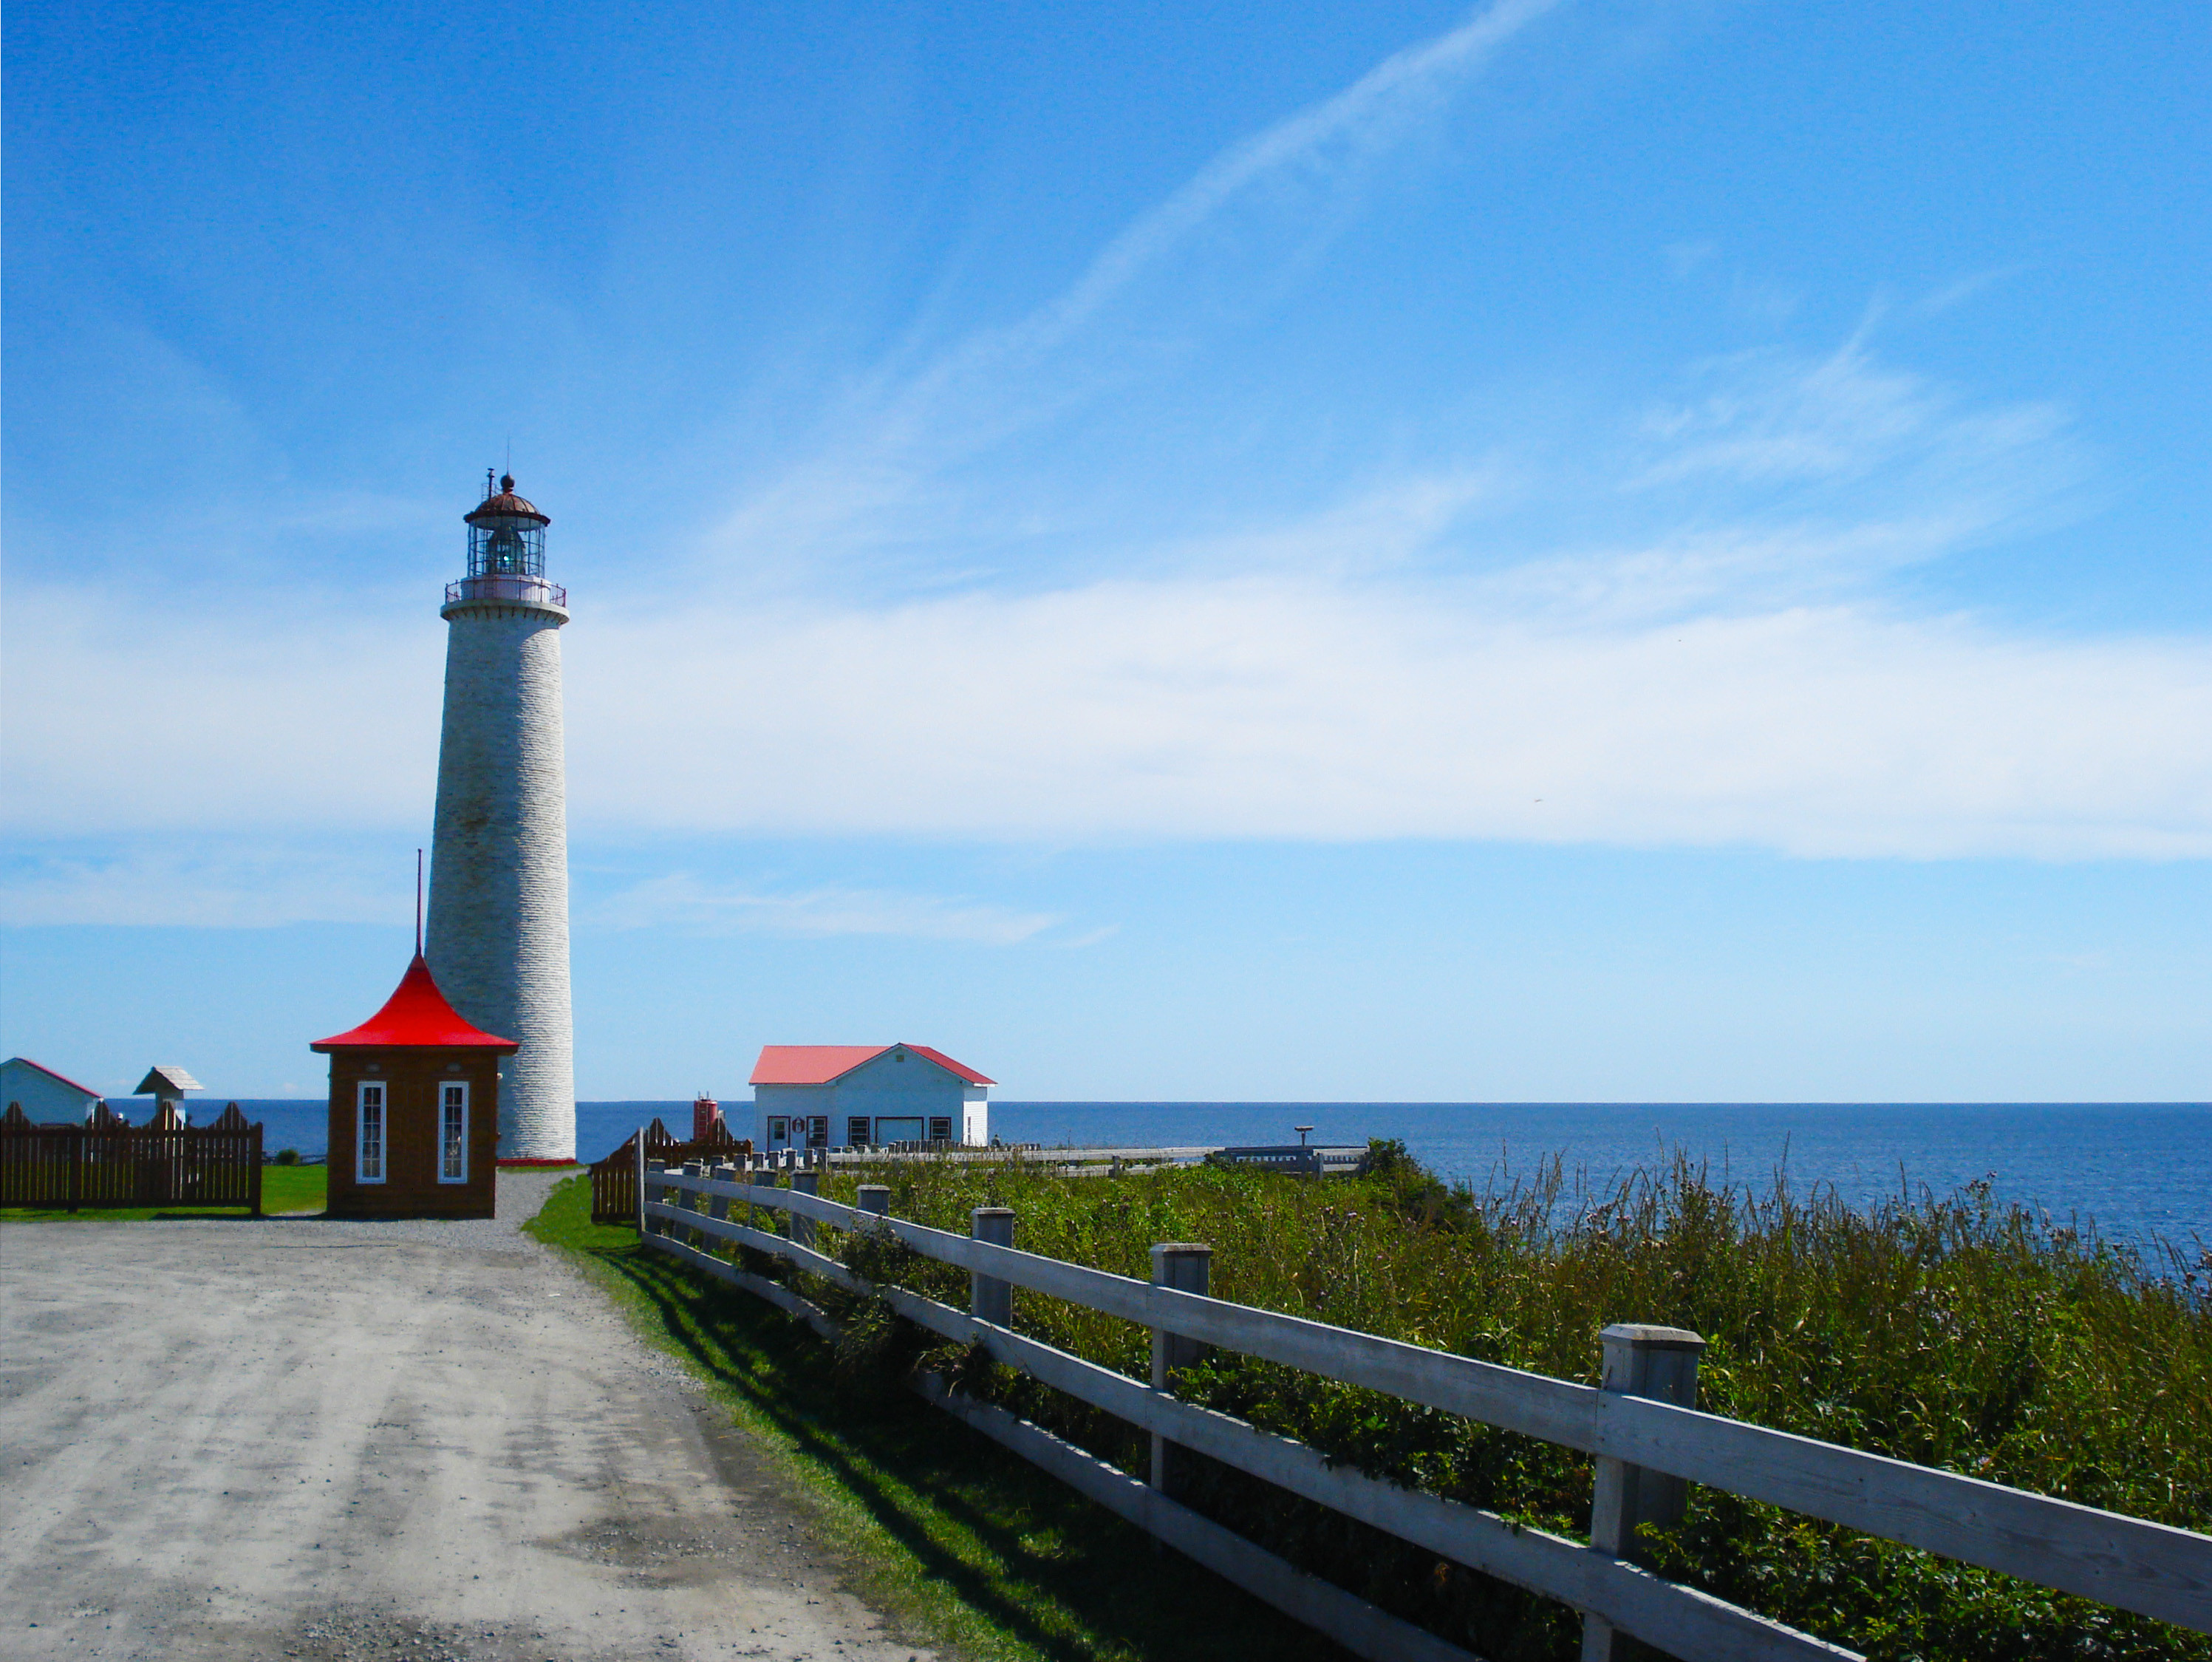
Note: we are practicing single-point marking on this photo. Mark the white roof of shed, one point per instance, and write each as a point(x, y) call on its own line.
point(166, 1080)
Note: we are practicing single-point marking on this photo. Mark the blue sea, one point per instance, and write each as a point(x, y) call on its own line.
point(2138, 1170)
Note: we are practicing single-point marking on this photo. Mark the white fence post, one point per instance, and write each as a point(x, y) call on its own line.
point(1187, 1266)
point(989, 1299)
point(718, 1206)
point(689, 1199)
point(1660, 1363)
point(876, 1199)
point(763, 1176)
point(637, 1155)
point(802, 1228)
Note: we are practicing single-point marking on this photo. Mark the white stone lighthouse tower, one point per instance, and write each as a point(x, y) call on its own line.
point(498, 935)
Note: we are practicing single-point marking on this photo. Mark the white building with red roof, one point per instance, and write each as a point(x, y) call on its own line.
point(836, 1096)
point(47, 1097)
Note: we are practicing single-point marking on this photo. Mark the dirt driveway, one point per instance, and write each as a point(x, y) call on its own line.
point(300, 1439)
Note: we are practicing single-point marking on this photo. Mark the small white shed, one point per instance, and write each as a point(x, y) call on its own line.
point(835, 1096)
point(48, 1097)
point(167, 1084)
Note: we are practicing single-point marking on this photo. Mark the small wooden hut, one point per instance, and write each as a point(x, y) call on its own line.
point(414, 1109)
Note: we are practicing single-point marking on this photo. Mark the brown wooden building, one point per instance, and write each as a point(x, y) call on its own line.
point(414, 1109)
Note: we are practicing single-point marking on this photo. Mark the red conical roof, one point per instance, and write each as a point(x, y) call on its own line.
point(415, 1014)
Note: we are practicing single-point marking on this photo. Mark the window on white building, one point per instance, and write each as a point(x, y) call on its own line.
point(369, 1132)
point(452, 1131)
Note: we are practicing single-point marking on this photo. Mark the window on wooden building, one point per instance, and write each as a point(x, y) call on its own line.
point(856, 1131)
point(817, 1132)
point(369, 1132)
point(452, 1131)
point(940, 1129)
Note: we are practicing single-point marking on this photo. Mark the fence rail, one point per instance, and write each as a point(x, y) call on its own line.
point(108, 1165)
point(2150, 1568)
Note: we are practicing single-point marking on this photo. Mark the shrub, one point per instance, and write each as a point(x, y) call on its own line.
point(1946, 1330)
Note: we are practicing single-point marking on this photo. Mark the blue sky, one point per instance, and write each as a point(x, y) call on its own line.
point(1579, 550)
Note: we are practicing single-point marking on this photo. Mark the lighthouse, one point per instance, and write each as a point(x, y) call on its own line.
point(498, 935)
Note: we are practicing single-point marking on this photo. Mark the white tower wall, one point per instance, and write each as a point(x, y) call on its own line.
point(497, 937)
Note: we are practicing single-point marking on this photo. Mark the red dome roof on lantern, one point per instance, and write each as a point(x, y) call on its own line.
point(505, 504)
point(415, 1014)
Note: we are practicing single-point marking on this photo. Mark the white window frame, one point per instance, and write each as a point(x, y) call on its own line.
point(443, 1086)
point(360, 1138)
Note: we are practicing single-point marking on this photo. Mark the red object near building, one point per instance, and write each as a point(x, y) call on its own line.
point(414, 1109)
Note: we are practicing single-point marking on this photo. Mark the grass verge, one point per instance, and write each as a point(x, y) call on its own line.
point(1951, 1331)
point(966, 1546)
point(283, 1189)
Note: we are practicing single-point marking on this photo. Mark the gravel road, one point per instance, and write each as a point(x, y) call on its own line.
point(293, 1438)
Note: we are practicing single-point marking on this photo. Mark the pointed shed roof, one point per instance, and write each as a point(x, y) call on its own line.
point(821, 1064)
point(166, 1080)
point(415, 1014)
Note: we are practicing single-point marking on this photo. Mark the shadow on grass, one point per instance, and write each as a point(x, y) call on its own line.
point(1029, 1558)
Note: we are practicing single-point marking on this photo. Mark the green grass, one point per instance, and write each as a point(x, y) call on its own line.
point(283, 1189)
point(1944, 1330)
point(966, 1546)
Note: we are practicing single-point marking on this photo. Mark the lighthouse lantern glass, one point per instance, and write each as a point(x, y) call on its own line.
point(507, 546)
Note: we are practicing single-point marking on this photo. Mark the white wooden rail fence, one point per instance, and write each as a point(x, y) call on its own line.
point(1641, 1441)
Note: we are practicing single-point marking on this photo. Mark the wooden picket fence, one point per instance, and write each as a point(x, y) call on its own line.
point(614, 1179)
point(1649, 1442)
point(111, 1164)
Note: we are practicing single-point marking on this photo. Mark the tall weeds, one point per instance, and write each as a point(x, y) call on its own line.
point(1947, 1331)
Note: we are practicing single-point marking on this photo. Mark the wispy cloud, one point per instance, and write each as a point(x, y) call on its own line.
point(691, 903)
point(1266, 707)
point(1729, 676)
point(1774, 417)
point(1324, 141)
point(1961, 290)
point(139, 715)
point(881, 484)
point(1686, 639)
point(204, 881)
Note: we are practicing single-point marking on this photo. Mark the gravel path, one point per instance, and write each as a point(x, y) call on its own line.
point(293, 1438)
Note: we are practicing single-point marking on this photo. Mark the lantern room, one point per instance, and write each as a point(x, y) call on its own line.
point(414, 1109)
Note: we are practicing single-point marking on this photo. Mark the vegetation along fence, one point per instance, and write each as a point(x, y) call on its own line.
point(111, 1164)
point(1639, 1422)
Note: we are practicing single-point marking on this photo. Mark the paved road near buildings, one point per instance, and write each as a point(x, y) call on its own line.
point(329, 1441)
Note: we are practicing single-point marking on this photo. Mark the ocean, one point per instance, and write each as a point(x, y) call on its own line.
point(2138, 1170)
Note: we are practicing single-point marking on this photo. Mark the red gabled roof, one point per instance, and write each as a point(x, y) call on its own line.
point(950, 1066)
point(415, 1014)
point(810, 1064)
point(822, 1064)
